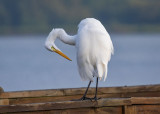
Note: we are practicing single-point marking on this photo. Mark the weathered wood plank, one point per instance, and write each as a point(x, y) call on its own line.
point(142, 109)
point(65, 105)
point(35, 93)
point(128, 89)
point(134, 100)
point(68, 98)
point(128, 100)
point(141, 94)
point(54, 99)
point(124, 91)
point(143, 105)
point(4, 101)
point(42, 99)
point(103, 110)
point(107, 102)
point(41, 96)
point(145, 100)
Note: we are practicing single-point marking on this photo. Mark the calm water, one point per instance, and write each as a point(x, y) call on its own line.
point(26, 65)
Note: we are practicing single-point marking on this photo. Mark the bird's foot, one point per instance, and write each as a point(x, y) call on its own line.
point(87, 98)
point(83, 98)
point(95, 98)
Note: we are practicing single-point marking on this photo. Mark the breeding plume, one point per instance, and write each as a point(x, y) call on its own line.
point(94, 48)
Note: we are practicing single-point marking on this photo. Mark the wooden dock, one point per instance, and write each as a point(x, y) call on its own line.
point(114, 100)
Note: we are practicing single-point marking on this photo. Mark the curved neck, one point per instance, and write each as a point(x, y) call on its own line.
point(64, 37)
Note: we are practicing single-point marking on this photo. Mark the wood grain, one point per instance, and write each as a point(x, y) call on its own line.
point(143, 109)
point(114, 100)
point(80, 91)
point(64, 105)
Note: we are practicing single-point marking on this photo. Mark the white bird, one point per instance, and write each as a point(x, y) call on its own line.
point(94, 48)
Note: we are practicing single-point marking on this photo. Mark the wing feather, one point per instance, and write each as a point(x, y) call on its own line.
point(94, 49)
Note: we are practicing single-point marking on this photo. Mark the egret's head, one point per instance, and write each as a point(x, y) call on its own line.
point(50, 45)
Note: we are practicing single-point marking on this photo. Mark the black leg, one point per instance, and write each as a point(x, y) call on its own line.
point(96, 88)
point(95, 97)
point(86, 90)
point(84, 96)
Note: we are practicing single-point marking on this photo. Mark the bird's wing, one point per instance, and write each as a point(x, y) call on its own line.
point(94, 48)
point(93, 53)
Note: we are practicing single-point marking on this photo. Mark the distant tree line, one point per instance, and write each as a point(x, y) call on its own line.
point(40, 16)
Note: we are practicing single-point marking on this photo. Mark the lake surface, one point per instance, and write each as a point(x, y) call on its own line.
point(26, 65)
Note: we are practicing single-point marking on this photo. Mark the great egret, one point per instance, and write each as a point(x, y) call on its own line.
point(94, 48)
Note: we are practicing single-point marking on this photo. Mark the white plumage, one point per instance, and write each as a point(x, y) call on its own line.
point(94, 48)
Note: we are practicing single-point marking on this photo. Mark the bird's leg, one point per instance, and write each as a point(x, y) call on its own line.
point(96, 88)
point(84, 96)
point(95, 97)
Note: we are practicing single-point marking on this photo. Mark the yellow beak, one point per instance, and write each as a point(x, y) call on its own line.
point(60, 53)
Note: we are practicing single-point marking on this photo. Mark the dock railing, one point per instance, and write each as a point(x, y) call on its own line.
point(114, 100)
